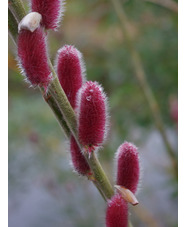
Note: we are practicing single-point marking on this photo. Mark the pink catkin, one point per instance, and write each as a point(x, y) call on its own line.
point(70, 70)
point(128, 166)
point(50, 11)
point(79, 162)
point(32, 56)
point(117, 212)
point(91, 114)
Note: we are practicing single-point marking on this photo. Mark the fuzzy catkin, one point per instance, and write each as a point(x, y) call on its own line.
point(117, 212)
point(92, 115)
point(128, 169)
point(79, 162)
point(70, 71)
point(32, 56)
point(50, 11)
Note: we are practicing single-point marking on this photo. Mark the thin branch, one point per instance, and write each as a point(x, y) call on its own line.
point(13, 31)
point(100, 191)
point(141, 77)
point(51, 102)
point(12, 25)
point(17, 8)
point(70, 118)
point(99, 175)
point(60, 104)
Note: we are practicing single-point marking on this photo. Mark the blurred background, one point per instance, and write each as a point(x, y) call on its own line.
point(43, 189)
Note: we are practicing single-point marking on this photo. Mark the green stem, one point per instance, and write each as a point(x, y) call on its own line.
point(99, 175)
point(140, 75)
point(62, 101)
point(70, 118)
point(100, 191)
point(17, 8)
point(12, 26)
point(51, 102)
point(60, 98)
point(61, 107)
point(13, 31)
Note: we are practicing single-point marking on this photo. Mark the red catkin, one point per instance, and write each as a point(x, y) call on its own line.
point(128, 166)
point(70, 70)
point(117, 212)
point(91, 115)
point(174, 109)
point(32, 56)
point(79, 162)
point(50, 11)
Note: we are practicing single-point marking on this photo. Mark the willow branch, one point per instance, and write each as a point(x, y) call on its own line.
point(52, 103)
point(65, 114)
point(99, 175)
point(17, 8)
point(12, 26)
point(70, 118)
point(141, 77)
